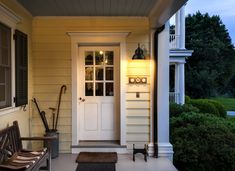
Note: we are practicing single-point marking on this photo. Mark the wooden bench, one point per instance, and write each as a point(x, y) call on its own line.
point(96, 161)
point(14, 157)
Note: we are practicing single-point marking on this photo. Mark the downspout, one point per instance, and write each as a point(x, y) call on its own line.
point(155, 93)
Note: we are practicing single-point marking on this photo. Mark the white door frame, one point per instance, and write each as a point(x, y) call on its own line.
point(94, 38)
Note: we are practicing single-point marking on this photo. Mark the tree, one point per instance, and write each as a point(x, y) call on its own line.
point(210, 68)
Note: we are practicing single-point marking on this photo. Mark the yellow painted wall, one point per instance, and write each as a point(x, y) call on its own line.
point(25, 26)
point(52, 69)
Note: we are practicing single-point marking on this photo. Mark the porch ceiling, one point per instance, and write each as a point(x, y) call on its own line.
point(159, 11)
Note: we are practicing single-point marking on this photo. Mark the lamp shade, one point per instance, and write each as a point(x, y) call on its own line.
point(139, 54)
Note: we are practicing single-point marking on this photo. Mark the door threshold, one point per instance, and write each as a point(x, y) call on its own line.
point(99, 144)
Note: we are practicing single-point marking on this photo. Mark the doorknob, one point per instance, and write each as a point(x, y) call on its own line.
point(82, 100)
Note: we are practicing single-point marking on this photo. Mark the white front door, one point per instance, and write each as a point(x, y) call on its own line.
point(98, 87)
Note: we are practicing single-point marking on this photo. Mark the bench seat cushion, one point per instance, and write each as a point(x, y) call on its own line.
point(22, 160)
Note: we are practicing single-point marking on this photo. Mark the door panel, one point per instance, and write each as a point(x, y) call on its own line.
point(98, 87)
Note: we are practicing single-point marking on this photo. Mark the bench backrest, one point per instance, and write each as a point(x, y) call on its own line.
point(10, 141)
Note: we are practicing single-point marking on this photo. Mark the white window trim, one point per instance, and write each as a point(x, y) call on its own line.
point(10, 19)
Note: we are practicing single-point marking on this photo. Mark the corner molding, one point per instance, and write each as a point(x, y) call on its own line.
point(9, 15)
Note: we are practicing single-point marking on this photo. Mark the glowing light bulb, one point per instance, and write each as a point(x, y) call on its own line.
point(101, 52)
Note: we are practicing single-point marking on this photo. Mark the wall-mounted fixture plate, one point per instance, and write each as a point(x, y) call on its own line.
point(137, 80)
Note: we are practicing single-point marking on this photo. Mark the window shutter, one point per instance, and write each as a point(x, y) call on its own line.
point(21, 68)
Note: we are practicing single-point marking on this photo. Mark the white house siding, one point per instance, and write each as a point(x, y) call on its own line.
point(52, 69)
point(25, 26)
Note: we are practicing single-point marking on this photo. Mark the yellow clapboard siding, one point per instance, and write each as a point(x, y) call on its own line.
point(52, 67)
point(55, 55)
point(52, 80)
point(91, 21)
point(39, 72)
point(142, 96)
point(52, 46)
point(135, 71)
point(137, 104)
point(52, 96)
point(47, 88)
point(138, 88)
point(137, 112)
point(61, 38)
point(47, 104)
point(137, 137)
point(51, 63)
point(141, 120)
point(138, 129)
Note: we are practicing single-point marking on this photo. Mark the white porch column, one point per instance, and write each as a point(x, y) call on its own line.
point(177, 81)
point(177, 29)
point(182, 27)
point(165, 149)
point(181, 84)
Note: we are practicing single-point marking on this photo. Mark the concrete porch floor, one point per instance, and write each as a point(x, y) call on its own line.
point(66, 162)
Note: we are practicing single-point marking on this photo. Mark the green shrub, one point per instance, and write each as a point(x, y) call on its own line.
point(203, 142)
point(205, 106)
point(176, 109)
point(187, 99)
point(219, 107)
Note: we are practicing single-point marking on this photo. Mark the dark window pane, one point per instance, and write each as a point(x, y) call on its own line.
point(2, 94)
point(99, 73)
point(99, 89)
point(99, 57)
point(2, 75)
point(88, 58)
point(109, 73)
point(89, 89)
point(89, 73)
point(109, 89)
point(109, 57)
point(5, 66)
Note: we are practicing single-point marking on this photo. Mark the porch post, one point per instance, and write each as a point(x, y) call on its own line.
point(181, 84)
point(177, 77)
point(177, 28)
point(165, 149)
point(182, 27)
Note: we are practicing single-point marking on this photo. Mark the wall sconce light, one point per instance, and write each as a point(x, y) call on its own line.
point(138, 80)
point(139, 54)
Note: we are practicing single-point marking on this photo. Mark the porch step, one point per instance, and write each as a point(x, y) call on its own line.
point(99, 146)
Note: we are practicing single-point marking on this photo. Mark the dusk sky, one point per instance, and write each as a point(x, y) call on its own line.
point(225, 9)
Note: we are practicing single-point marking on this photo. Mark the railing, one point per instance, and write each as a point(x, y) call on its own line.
point(174, 41)
point(174, 97)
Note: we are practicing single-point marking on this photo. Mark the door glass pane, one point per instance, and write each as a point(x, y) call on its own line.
point(2, 93)
point(2, 75)
point(88, 58)
point(109, 57)
point(99, 73)
point(88, 89)
point(99, 57)
point(109, 73)
point(89, 73)
point(109, 89)
point(99, 89)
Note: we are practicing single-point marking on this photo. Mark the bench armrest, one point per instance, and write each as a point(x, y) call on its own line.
point(37, 138)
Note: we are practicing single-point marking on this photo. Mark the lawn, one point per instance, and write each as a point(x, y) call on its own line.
point(229, 103)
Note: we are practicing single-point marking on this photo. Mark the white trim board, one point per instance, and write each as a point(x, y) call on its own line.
point(81, 38)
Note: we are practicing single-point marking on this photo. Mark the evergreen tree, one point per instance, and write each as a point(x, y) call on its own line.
point(209, 70)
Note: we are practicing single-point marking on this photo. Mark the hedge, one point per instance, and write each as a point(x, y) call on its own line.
point(203, 142)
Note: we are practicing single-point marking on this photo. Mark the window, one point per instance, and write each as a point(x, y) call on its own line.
point(5, 66)
point(19, 80)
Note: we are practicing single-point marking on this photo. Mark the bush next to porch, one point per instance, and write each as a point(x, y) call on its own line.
point(176, 109)
point(203, 142)
point(209, 106)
